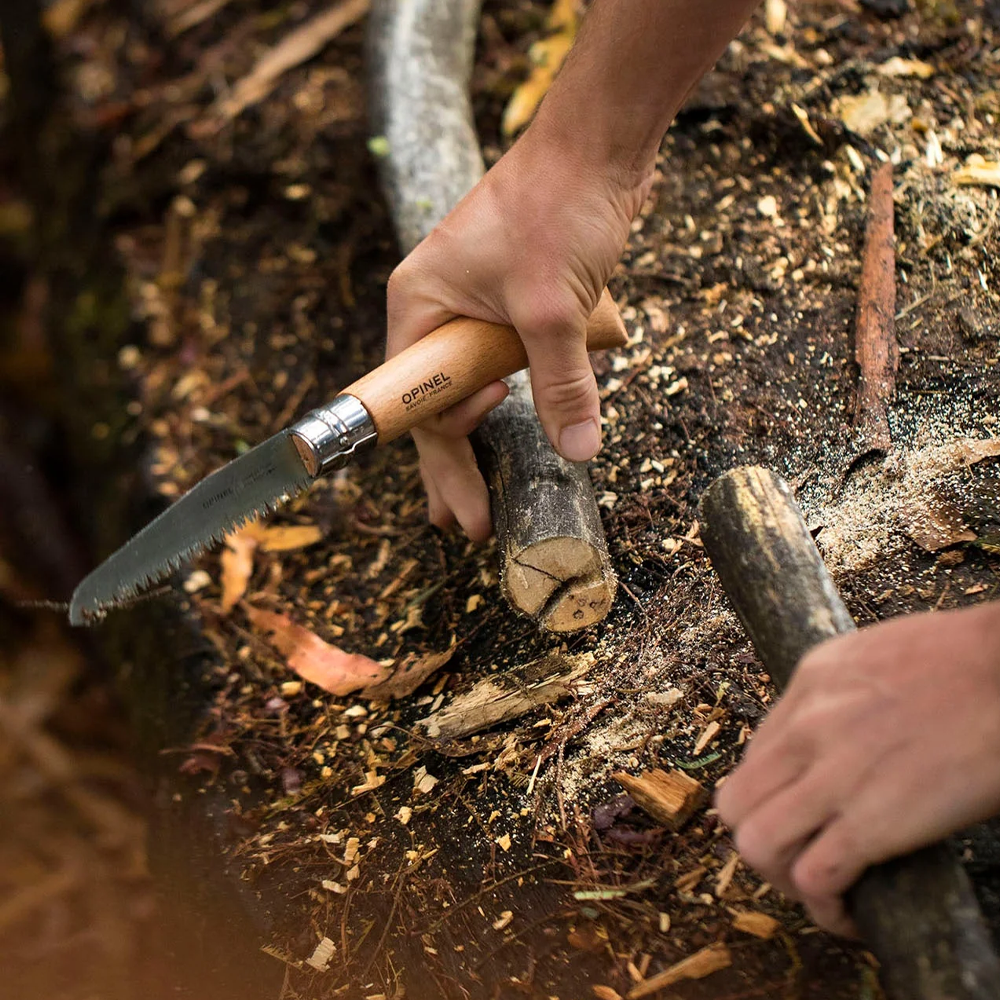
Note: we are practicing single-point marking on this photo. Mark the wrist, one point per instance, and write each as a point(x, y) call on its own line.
point(592, 154)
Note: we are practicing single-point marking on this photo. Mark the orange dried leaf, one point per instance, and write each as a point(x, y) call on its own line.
point(236, 563)
point(315, 660)
point(547, 57)
point(405, 678)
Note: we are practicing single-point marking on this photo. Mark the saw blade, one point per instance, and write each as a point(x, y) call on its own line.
point(227, 499)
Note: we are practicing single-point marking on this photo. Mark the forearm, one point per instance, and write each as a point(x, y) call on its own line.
point(629, 72)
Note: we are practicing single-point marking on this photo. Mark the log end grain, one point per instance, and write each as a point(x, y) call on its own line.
point(565, 583)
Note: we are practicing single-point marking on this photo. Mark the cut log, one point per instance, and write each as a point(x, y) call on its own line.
point(554, 563)
point(671, 797)
point(917, 913)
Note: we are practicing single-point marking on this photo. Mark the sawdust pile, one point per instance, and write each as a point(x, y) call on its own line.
point(934, 496)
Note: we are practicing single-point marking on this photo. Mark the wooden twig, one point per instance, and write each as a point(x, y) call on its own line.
point(875, 348)
point(554, 563)
point(295, 48)
point(917, 913)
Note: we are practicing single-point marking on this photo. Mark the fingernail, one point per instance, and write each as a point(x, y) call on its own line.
point(581, 442)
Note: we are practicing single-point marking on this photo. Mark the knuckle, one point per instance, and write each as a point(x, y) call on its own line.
point(549, 313)
point(752, 847)
point(572, 393)
point(404, 278)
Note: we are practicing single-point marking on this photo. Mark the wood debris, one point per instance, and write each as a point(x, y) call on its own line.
point(775, 16)
point(322, 953)
point(605, 993)
point(670, 797)
point(978, 171)
point(697, 966)
point(708, 734)
point(756, 923)
point(295, 48)
point(725, 877)
point(498, 699)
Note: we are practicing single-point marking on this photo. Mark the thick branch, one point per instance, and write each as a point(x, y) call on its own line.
point(554, 563)
point(875, 348)
point(918, 913)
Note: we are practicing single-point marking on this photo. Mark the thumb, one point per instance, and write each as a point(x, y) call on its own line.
point(564, 388)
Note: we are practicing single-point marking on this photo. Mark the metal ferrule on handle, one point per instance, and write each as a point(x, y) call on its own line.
point(332, 435)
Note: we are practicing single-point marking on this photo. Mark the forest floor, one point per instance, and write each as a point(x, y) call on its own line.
point(492, 858)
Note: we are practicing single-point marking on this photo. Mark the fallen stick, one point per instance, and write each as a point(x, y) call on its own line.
point(918, 913)
point(875, 348)
point(554, 563)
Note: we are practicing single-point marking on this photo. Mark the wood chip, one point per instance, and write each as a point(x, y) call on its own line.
point(323, 952)
point(671, 797)
point(546, 55)
point(709, 734)
point(775, 16)
point(697, 966)
point(605, 993)
point(687, 881)
point(758, 924)
point(726, 873)
point(503, 921)
point(501, 698)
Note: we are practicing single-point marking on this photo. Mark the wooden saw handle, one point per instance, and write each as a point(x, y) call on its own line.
point(917, 913)
point(455, 361)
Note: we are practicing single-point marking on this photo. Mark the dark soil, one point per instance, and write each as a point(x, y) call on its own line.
point(256, 255)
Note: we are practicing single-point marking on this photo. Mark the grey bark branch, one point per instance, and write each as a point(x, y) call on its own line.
point(917, 913)
point(554, 563)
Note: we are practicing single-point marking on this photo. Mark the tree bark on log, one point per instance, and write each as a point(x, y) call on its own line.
point(554, 563)
point(917, 913)
point(876, 350)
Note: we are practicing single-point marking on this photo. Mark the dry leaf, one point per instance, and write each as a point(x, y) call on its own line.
point(863, 113)
point(697, 966)
point(405, 678)
point(931, 513)
point(236, 564)
point(978, 171)
point(547, 57)
point(314, 660)
point(295, 48)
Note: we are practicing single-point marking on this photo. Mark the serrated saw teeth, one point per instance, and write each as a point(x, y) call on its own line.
point(256, 482)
